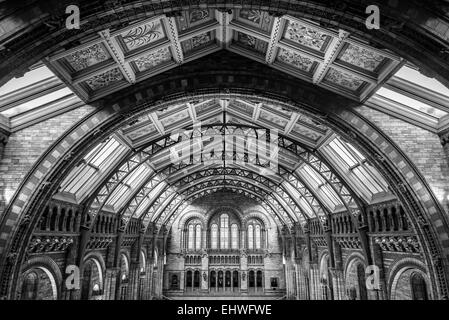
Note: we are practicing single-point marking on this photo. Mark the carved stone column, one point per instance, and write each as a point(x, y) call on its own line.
point(244, 273)
point(338, 283)
point(110, 283)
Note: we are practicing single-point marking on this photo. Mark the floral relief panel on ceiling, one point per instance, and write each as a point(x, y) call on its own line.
point(344, 79)
point(104, 79)
point(251, 42)
point(279, 109)
point(361, 57)
point(306, 36)
point(175, 118)
point(143, 35)
point(295, 59)
point(256, 18)
point(197, 42)
point(302, 131)
point(87, 57)
point(309, 121)
point(242, 107)
point(198, 15)
point(251, 15)
point(153, 59)
point(146, 130)
point(273, 118)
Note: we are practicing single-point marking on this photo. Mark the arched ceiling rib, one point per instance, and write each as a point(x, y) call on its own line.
point(134, 179)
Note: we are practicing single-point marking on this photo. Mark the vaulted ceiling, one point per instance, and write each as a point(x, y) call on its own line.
point(153, 167)
point(329, 58)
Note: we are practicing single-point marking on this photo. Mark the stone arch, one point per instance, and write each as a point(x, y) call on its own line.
point(353, 284)
point(401, 266)
point(50, 267)
point(124, 254)
point(414, 192)
point(256, 215)
point(211, 213)
point(322, 259)
point(187, 216)
point(99, 261)
point(143, 260)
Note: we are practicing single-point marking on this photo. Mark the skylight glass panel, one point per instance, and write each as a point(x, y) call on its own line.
point(320, 186)
point(38, 102)
point(129, 184)
point(341, 151)
point(365, 179)
point(96, 163)
point(105, 153)
point(31, 77)
point(313, 177)
point(415, 76)
point(156, 190)
point(410, 102)
point(306, 207)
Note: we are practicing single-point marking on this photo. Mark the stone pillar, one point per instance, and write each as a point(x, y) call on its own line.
point(134, 280)
point(116, 263)
point(338, 284)
point(315, 287)
point(72, 294)
point(303, 281)
point(381, 293)
point(3, 141)
point(134, 268)
point(110, 283)
point(75, 257)
point(244, 274)
point(204, 273)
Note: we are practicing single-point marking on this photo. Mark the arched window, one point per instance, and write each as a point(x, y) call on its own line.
point(418, 284)
point(257, 237)
point(191, 237)
point(250, 237)
point(30, 286)
point(254, 234)
point(234, 236)
point(198, 237)
point(224, 231)
point(214, 236)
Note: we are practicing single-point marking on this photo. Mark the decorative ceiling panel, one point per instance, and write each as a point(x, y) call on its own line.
point(136, 123)
point(302, 119)
point(277, 109)
point(193, 18)
point(333, 59)
point(148, 129)
point(297, 60)
point(306, 36)
point(198, 42)
point(209, 106)
point(153, 59)
point(344, 79)
point(250, 42)
point(301, 131)
point(104, 79)
point(142, 35)
point(161, 113)
point(256, 18)
point(242, 107)
point(175, 118)
point(277, 121)
point(361, 57)
point(88, 57)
